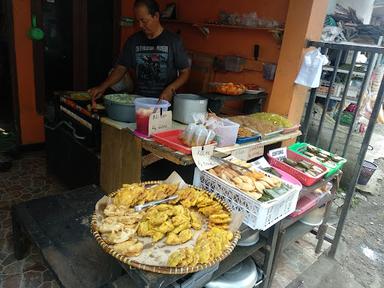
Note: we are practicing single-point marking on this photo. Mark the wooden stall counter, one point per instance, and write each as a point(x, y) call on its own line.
point(121, 154)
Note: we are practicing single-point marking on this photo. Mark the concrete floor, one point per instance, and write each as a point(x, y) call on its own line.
point(361, 266)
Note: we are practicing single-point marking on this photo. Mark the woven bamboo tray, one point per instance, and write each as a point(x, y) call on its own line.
point(163, 269)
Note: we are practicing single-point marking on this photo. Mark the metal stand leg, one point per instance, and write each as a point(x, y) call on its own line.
point(270, 254)
point(279, 246)
point(324, 226)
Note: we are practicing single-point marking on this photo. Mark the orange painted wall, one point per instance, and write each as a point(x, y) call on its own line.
point(31, 124)
point(304, 21)
point(223, 41)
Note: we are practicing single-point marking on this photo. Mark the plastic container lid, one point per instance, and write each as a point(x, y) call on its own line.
point(152, 103)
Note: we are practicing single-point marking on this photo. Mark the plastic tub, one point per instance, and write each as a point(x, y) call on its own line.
point(301, 147)
point(226, 135)
point(305, 179)
point(144, 107)
point(366, 172)
point(120, 107)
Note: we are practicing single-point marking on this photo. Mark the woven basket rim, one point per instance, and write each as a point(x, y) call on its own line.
point(163, 269)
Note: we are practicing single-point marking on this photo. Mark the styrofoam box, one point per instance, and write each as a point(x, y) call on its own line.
point(257, 215)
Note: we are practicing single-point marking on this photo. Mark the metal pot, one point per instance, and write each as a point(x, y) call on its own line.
point(185, 105)
point(123, 111)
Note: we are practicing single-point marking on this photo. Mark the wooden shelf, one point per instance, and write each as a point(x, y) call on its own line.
point(204, 27)
point(269, 29)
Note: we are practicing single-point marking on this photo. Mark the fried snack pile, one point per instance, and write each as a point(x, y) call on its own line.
point(175, 222)
point(135, 194)
point(253, 183)
point(209, 246)
point(119, 227)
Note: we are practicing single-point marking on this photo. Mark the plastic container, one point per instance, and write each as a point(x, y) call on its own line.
point(226, 135)
point(144, 107)
point(172, 140)
point(185, 105)
point(366, 172)
point(257, 215)
point(305, 179)
point(118, 109)
point(300, 148)
point(307, 202)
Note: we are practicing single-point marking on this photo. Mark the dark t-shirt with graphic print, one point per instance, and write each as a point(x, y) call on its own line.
point(156, 62)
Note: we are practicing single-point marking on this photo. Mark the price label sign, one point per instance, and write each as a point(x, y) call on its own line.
point(160, 121)
point(279, 153)
point(261, 163)
point(248, 153)
point(202, 157)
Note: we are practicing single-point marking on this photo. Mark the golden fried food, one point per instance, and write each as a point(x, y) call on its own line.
point(128, 194)
point(160, 191)
point(213, 209)
point(175, 221)
point(117, 210)
point(181, 227)
point(157, 218)
point(196, 221)
point(144, 229)
point(126, 220)
point(116, 237)
point(180, 219)
point(129, 248)
point(182, 237)
point(108, 227)
point(164, 228)
point(209, 246)
point(157, 236)
point(222, 218)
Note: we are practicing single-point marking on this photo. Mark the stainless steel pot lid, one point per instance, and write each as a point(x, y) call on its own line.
point(243, 275)
point(190, 97)
point(250, 240)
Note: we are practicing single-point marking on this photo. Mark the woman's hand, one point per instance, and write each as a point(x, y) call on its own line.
point(96, 92)
point(167, 94)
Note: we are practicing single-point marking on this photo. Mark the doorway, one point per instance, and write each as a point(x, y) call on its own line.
point(80, 45)
point(9, 114)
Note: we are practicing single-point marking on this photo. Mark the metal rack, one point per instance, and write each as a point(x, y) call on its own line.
point(373, 52)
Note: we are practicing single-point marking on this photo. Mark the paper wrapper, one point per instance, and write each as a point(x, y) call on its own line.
point(157, 254)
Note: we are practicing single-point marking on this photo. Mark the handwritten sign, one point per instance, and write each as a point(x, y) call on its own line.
point(279, 153)
point(202, 157)
point(261, 163)
point(160, 122)
point(248, 153)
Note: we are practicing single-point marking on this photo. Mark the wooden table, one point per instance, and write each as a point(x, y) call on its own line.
point(122, 157)
point(59, 227)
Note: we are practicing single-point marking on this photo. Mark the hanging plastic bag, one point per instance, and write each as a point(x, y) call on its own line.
point(311, 68)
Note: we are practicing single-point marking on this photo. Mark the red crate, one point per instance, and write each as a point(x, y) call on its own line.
point(171, 139)
point(305, 179)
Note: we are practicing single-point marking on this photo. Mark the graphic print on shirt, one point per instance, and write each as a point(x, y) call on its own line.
point(151, 64)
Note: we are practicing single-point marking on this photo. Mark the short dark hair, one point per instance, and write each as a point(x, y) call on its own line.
point(152, 6)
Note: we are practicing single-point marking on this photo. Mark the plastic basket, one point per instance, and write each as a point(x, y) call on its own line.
point(367, 170)
point(301, 147)
point(257, 215)
point(305, 179)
